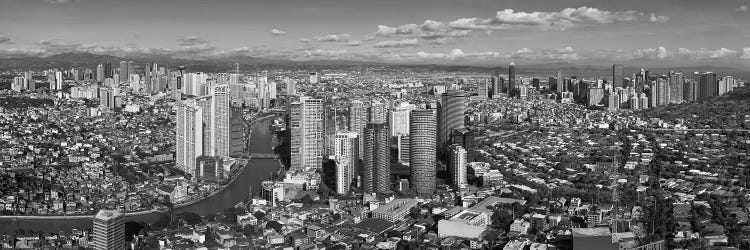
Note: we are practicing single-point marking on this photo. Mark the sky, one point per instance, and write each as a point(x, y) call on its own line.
point(462, 32)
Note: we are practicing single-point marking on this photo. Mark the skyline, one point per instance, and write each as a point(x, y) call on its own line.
point(467, 32)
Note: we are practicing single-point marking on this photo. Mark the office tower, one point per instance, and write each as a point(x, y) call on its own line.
point(190, 137)
point(402, 146)
point(358, 121)
point(422, 150)
point(399, 122)
point(58, 80)
point(376, 160)
point(726, 85)
point(451, 116)
point(307, 133)
point(219, 144)
point(378, 111)
point(482, 89)
point(662, 92)
point(108, 70)
point(688, 90)
point(457, 166)
point(109, 230)
point(313, 77)
point(617, 76)
point(147, 75)
point(123, 71)
point(643, 101)
point(511, 77)
point(27, 80)
point(100, 73)
point(18, 83)
point(676, 82)
point(329, 127)
point(346, 156)
point(498, 88)
point(131, 68)
point(237, 133)
point(708, 85)
point(290, 87)
point(595, 96)
point(613, 101)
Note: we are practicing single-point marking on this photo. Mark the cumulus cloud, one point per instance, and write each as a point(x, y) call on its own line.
point(192, 41)
point(353, 43)
point(742, 8)
point(4, 39)
point(324, 53)
point(745, 53)
point(305, 40)
point(566, 18)
point(333, 38)
point(658, 19)
point(277, 32)
point(406, 29)
point(702, 54)
point(397, 44)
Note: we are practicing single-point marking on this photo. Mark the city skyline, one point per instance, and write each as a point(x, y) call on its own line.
point(443, 32)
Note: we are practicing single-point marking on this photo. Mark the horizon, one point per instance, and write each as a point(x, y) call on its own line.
point(470, 33)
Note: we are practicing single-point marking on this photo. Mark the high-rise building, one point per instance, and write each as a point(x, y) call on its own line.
point(109, 230)
point(219, 121)
point(726, 85)
point(457, 164)
point(595, 96)
point(511, 77)
point(376, 162)
point(190, 138)
point(498, 87)
point(676, 82)
point(131, 68)
point(402, 146)
point(422, 150)
point(123, 71)
point(108, 70)
point(347, 157)
point(617, 76)
point(688, 90)
point(313, 77)
point(399, 122)
point(358, 121)
point(451, 116)
point(58, 80)
point(100, 73)
point(483, 89)
point(662, 92)
point(307, 133)
point(378, 111)
point(708, 85)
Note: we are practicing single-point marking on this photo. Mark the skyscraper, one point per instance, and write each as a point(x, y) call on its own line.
point(457, 166)
point(662, 92)
point(708, 85)
point(498, 88)
point(346, 156)
point(109, 230)
point(100, 73)
point(307, 133)
point(189, 131)
point(378, 111)
point(511, 77)
point(483, 89)
point(617, 76)
point(451, 116)
point(399, 122)
point(376, 160)
point(675, 87)
point(358, 121)
point(422, 150)
point(58, 80)
point(219, 121)
point(131, 69)
point(123, 71)
point(108, 70)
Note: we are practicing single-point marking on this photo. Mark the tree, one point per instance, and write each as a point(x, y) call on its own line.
point(190, 218)
point(249, 231)
point(275, 225)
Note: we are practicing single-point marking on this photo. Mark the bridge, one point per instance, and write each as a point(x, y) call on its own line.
point(264, 156)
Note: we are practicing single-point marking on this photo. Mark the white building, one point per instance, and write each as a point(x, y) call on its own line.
point(307, 133)
point(458, 166)
point(346, 156)
point(109, 230)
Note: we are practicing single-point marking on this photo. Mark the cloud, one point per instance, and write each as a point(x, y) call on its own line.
point(745, 53)
point(406, 29)
point(192, 41)
point(658, 19)
point(60, 1)
point(324, 53)
point(353, 43)
point(277, 32)
point(4, 39)
point(566, 18)
point(333, 38)
point(397, 44)
point(742, 8)
point(305, 40)
point(703, 54)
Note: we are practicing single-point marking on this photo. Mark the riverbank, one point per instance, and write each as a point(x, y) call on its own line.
point(236, 190)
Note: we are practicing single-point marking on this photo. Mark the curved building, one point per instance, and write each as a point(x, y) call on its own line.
point(376, 161)
point(422, 146)
point(453, 106)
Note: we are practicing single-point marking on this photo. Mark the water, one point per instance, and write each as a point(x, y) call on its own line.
point(258, 171)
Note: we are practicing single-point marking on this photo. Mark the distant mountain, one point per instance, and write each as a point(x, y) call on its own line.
point(65, 60)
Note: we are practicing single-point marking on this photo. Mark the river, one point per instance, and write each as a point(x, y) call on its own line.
point(256, 172)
